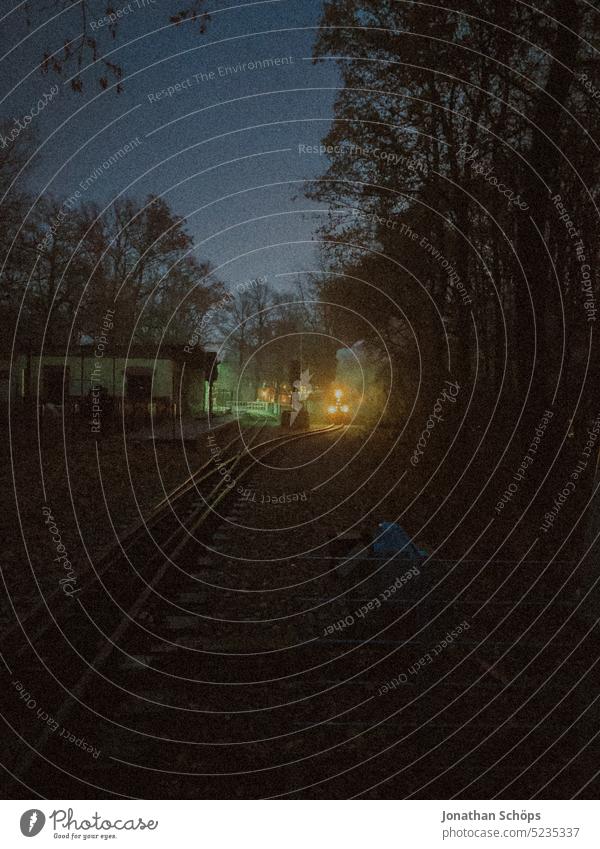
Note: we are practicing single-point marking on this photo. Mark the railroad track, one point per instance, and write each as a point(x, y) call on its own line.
point(162, 522)
point(185, 517)
point(207, 673)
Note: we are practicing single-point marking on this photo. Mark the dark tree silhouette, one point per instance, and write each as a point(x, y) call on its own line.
point(462, 178)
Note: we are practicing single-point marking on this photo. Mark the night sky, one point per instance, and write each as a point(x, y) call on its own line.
point(222, 151)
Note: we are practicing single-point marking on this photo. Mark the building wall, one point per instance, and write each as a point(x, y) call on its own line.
point(13, 383)
point(165, 374)
point(193, 394)
point(98, 371)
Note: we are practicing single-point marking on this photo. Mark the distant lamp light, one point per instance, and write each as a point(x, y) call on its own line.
point(338, 394)
point(345, 408)
point(331, 409)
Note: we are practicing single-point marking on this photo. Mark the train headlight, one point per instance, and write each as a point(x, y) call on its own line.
point(345, 408)
point(331, 409)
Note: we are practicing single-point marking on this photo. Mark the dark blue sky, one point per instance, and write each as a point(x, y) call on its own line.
point(257, 117)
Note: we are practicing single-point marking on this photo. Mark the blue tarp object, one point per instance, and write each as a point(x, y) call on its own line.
point(392, 538)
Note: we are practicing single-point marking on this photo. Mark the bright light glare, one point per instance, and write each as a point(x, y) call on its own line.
point(331, 409)
point(338, 394)
point(345, 408)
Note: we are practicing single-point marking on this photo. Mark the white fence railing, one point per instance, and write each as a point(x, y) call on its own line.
point(266, 408)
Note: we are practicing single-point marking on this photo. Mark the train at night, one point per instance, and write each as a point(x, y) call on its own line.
point(339, 411)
